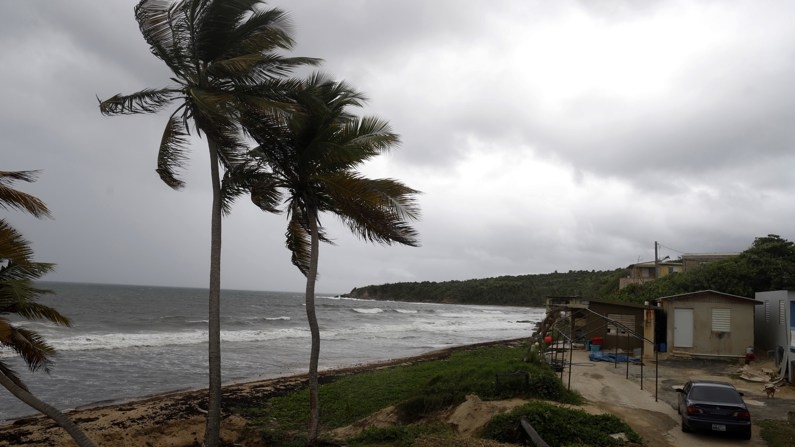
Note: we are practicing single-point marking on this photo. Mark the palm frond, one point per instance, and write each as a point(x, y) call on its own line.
point(11, 198)
point(27, 344)
point(144, 101)
point(172, 154)
point(36, 311)
point(375, 210)
point(298, 242)
point(13, 246)
point(24, 271)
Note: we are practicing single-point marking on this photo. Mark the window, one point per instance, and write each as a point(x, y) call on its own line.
point(721, 320)
point(622, 323)
point(781, 309)
point(767, 312)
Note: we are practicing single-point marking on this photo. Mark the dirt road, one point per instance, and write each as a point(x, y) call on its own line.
point(607, 389)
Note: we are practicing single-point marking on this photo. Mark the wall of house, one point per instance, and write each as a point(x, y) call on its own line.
point(773, 320)
point(707, 341)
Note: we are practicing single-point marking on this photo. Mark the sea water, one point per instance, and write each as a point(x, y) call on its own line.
point(127, 342)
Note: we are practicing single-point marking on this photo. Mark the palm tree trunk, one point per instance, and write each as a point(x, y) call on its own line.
point(61, 419)
point(213, 427)
point(311, 316)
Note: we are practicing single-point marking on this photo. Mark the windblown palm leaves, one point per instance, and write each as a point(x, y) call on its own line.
point(224, 60)
point(18, 272)
point(224, 55)
point(306, 165)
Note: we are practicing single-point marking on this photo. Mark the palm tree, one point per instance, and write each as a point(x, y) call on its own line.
point(306, 163)
point(223, 55)
point(17, 297)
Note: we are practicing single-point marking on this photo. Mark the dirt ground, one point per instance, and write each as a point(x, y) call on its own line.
point(607, 388)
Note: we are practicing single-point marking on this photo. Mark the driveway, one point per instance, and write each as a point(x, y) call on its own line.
point(608, 389)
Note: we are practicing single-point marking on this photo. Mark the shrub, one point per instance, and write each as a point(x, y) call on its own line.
point(559, 426)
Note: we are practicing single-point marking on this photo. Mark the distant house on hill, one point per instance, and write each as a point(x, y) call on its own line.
point(647, 271)
point(709, 323)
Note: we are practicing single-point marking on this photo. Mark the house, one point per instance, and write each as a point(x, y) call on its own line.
point(775, 329)
point(709, 323)
point(643, 272)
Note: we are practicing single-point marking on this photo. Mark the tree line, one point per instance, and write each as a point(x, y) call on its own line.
point(768, 264)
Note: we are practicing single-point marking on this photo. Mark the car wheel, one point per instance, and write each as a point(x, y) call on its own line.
point(746, 435)
point(685, 429)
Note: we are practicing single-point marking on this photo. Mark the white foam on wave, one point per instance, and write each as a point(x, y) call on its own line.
point(372, 310)
point(406, 311)
point(91, 342)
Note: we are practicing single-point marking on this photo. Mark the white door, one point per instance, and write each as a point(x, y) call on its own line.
point(683, 328)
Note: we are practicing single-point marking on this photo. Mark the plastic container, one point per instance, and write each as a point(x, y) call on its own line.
point(662, 348)
point(597, 341)
point(596, 348)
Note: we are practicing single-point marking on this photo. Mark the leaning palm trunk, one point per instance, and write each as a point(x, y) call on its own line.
point(314, 356)
point(48, 410)
point(213, 426)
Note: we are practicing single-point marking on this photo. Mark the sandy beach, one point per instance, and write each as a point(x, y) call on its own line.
point(176, 419)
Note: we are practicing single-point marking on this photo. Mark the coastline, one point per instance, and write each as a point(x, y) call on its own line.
point(176, 419)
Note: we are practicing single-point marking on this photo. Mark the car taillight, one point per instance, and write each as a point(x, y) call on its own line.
point(694, 410)
point(742, 414)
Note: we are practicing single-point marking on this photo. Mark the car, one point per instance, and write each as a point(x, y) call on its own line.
point(707, 405)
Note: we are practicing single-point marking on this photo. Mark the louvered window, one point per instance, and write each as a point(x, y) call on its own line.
point(721, 320)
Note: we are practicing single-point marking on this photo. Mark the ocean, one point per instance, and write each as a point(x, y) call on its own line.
point(129, 342)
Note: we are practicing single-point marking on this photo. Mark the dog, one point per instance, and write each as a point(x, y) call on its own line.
point(770, 390)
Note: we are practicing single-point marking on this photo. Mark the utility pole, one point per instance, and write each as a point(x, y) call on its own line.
point(656, 263)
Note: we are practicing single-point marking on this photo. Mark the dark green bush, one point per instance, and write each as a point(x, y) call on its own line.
point(559, 426)
point(398, 435)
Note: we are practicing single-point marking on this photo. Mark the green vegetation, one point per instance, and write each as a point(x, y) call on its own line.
point(769, 264)
point(777, 433)
point(525, 290)
point(418, 391)
point(555, 424)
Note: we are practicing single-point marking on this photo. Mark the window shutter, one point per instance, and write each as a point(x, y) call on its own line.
point(721, 320)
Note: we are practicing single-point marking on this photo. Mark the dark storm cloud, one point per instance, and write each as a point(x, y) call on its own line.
point(544, 136)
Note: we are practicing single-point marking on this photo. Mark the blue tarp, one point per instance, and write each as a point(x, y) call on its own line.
point(600, 356)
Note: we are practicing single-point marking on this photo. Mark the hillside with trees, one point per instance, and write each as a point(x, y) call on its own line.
point(769, 264)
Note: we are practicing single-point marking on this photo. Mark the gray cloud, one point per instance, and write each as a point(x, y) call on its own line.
point(544, 137)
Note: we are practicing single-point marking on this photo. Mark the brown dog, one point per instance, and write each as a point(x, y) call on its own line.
point(770, 390)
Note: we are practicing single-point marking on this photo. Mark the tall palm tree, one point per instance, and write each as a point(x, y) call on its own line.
point(223, 54)
point(306, 164)
point(18, 293)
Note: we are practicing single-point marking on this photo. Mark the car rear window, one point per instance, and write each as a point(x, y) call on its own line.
point(715, 394)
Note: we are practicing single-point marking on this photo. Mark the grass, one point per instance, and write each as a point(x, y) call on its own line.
point(418, 390)
point(777, 433)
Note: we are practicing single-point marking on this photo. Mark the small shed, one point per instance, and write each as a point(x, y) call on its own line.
point(709, 323)
point(616, 325)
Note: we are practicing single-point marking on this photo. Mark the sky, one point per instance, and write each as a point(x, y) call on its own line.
point(544, 136)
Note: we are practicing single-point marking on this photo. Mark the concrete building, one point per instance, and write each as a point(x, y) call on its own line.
point(775, 329)
point(709, 323)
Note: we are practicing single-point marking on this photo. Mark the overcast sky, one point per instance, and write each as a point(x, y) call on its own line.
point(544, 135)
